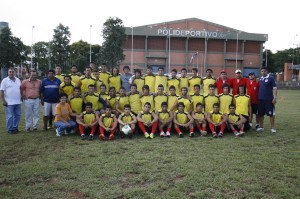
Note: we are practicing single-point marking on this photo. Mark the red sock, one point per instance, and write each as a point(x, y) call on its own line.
point(161, 129)
point(168, 129)
point(223, 126)
point(191, 130)
point(203, 127)
point(154, 127)
point(212, 127)
point(142, 127)
point(93, 130)
point(81, 129)
point(177, 130)
point(133, 131)
point(198, 126)
point(101, 130)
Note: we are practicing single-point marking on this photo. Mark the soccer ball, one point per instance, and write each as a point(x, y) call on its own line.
point(126, 129)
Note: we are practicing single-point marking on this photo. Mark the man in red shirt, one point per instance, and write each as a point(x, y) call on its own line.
point(222, 80)
point(252, 90)
point(237, 81)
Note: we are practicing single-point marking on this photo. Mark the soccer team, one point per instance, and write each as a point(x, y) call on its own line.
point(152, 103)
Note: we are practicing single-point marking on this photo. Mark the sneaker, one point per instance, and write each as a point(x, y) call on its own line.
point(273, 130)
point(66, 132)
point(236, 133)
point(220, 134)
point(204, 133)
point(260, 129)
point(151, 135)
point(214, 134)
point(256, 126)
point(73, 131)
point(250, 124)
point(50, 127)
point(91, 137)
point(147, 135)
point(168, 134)
point(58, 134)
point(83, 137)
point(102, 136)
point(181, 135)
point(242, 133)
point(192, 134)
point(111, 137)
point(162, 134)
point(27, 130)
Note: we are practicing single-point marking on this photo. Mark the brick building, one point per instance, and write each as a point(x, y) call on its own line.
point(193, 43)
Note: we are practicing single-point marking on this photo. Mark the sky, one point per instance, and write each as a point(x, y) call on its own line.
point(278, 19)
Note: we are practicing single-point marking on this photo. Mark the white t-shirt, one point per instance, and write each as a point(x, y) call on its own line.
point(11, 90)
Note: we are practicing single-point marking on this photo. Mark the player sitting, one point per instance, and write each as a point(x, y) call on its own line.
point(199, 118)
point(87, 122)
point(165, 119)
point(108, 124)
point(236, 121)
point(147, 120)
point(217, 121)
point(127, 118)
point(183, 121)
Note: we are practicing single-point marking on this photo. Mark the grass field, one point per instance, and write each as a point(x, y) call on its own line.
point(259, 165)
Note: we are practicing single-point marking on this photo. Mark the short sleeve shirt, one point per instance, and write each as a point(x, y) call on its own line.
point(11, 90)
point(266, 86)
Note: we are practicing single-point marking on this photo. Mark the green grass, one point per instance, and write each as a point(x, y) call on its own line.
point(259, 165)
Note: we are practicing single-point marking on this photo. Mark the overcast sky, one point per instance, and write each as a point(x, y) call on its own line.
point(278, 19)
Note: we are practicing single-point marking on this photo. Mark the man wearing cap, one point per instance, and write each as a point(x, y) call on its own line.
point(267, 96)
point(223, 79)
point(237, 81)
point(252, 90)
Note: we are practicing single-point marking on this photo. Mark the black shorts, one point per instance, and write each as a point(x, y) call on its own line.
point(254, 108)
point(266, 107)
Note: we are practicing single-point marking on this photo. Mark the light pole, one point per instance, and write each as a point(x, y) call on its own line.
point(131, 48)
point(293, 56)
point(91, 43)
point(237, 48)
point(31, 46)
point(169, 49)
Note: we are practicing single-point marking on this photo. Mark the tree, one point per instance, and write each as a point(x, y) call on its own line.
point(60, 45)
point(269, 62)
point(281, 57)
point(80, 54)
point(12, 50)
point(114, 37)
point(41, 55)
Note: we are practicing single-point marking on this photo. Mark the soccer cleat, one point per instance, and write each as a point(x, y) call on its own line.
point(214, 134)
point(147, 135)
point(151, 135)
point(111, 137)
point(91, 137)
point(204, 133)
point(168, 134)
point(273, 130)
point(192, 134)
point(180, 135)
point(220, 134)
point(102, 136)
point(260, 129)
point(57, 133)
point(82, 137)
point(236, 133)
point(162, 134)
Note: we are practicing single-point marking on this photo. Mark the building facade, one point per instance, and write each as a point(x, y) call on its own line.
point(193, 43)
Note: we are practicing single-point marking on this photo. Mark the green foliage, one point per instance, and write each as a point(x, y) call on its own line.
point(80, 54)
point(12, 49)
point(114, 37)
point(41, 53)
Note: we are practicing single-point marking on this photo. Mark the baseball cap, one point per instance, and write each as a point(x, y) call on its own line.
point(223, 71)
point(238, 71)
point(251, 73)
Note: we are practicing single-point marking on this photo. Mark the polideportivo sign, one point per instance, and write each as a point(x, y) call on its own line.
point(192, 33)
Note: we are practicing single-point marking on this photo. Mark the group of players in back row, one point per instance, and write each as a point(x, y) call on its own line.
point(157, 102)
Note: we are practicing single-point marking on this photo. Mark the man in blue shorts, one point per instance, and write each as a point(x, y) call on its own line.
point(267, 96)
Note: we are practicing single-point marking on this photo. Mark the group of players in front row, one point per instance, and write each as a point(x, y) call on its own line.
point(152, 112)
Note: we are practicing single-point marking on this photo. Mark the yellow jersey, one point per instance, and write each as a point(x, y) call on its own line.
point(104, 96)
point(75, 79)
point(196, 98)
point(193, 81)
point(182, 118)
point(98, 84)
point(187, 103)
point(68, 89)
point(60, 77)
point(94, 99)
point(199, 115)
point(158, 100)
point(174, 82)
point(150, 81)
point(172, 99)
point(225, 101)
point(85, 82)
point(140, 82)
point(184, 82)
point(104, 78)
point(115, 81)
point(206, 81)
point(76, 104)
point(135, 103)
point(88, 118)
point(216, 117)
point(148, 98)
point(242, 102)
point(112, 102)
point(234, 117)
point(108, 120)
point(209, 101)
point(122, 102)
point(161, 79)
point(164, 116)
point(146, 117)
point(127, 118)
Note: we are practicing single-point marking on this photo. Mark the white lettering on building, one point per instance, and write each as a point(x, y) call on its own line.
point(191, 33)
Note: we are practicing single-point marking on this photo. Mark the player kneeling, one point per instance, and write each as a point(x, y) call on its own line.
point(199, 118)
point(236, 121)
point(127, 122)
point(217, 121)
point(183, 121)
point(165, 119)
point(87, 122)
point(108, 124)
point(147, 120)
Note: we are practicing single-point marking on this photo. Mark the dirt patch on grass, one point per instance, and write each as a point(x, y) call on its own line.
point(74, 194)
point(52, 180)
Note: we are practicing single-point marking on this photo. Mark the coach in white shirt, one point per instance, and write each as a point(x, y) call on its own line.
point(10, 92)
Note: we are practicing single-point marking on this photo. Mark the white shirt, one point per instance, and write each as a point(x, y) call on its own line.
point(11, 90)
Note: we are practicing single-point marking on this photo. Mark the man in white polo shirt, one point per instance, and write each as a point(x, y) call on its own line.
point(10, 92)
